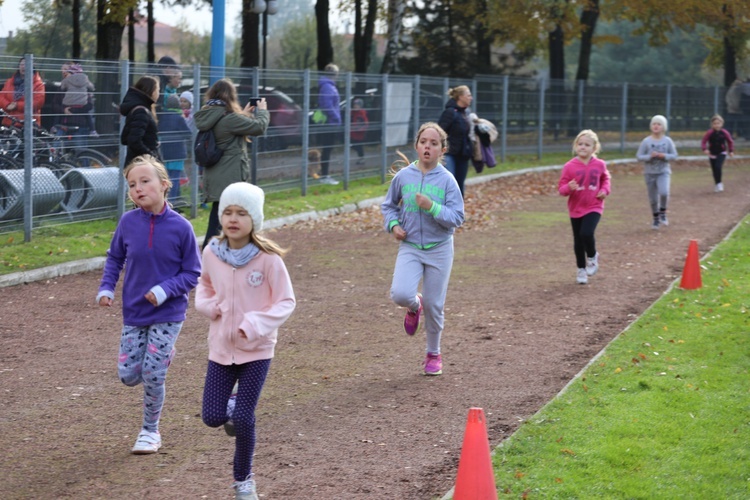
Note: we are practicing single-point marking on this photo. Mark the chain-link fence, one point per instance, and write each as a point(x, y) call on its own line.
point(71, 158)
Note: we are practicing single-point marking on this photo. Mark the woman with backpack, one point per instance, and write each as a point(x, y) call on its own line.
point(231, 125)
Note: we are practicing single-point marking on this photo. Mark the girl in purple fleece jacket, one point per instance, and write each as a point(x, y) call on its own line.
point(163, 265)
point(585, 180)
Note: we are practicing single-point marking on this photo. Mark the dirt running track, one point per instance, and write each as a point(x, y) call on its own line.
point(346, 413)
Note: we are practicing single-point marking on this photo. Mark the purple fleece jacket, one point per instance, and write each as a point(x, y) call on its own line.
point(162, 255)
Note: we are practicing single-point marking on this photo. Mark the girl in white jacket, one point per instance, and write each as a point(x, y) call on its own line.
point(246, 292)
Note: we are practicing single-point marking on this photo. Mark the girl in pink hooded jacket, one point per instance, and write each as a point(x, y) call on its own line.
point(245, 291)
point(585, 180)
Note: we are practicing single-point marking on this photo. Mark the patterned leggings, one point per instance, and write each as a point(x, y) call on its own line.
point(219, 382)
point(145, 355)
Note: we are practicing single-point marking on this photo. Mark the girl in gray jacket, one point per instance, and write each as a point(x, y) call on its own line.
point(656, 151)
point(422, 210)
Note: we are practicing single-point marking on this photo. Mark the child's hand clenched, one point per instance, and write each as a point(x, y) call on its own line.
point(151, 298)
point(423, 202)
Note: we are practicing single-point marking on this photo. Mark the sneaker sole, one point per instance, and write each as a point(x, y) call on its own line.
point(433, 374)
point(145, 452)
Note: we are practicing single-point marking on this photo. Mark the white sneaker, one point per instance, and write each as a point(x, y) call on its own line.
point(147, 443)
point(245, 490)
point(663, 219)
point(592, 264)
point(582, 278)
point(720, 187)
point(327, 179)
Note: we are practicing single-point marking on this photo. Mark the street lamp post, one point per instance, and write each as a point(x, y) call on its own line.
point(265, 7)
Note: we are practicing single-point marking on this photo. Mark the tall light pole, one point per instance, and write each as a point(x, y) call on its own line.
point(265, 7)
point(217, 59)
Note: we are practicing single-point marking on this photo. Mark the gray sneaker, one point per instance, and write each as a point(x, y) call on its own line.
point(245, 490)
point(655, 223)
point(663, 219)
point(582, 278)
point(327, 179)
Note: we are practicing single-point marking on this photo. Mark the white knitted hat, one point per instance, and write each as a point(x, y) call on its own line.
point(660, 119)
point(247, 196)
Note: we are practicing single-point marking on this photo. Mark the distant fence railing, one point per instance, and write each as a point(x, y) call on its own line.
point(71, 176)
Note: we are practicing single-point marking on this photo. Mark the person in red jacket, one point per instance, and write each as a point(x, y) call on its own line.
point(585, 180)
point(717, 143)
point(12, 97)
point(360, 123)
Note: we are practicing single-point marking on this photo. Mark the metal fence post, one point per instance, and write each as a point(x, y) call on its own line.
point(384, 130)
point(194, 195)
point(623, 117)
point(504, 121)
point(28, 147)
point(305, 129)
point(580, 104)
point(668, 105)
point(257, 140)
point(124, 84)
point(417, 100)
point(347, 128)
point(716, 99)
point(540, 125)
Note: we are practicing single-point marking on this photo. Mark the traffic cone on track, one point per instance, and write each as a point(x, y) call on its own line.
point(476, 479)
point(691, 274)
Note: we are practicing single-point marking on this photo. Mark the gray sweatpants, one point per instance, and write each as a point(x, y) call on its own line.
point(658, 190)
point(433, 268)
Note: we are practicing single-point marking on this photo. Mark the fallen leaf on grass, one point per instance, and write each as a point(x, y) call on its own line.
point(568, 451)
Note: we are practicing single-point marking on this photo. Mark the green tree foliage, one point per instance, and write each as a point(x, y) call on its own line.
point(637, 60)
point(50, 31)
point(446, 39)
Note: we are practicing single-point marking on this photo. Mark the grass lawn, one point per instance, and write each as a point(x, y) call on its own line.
point(662, 413)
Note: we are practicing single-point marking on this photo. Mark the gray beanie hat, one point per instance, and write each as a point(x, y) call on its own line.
point(660, 119)
point(247, 196)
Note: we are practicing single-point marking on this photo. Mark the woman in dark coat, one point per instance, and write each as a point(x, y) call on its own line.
point(140, 133)
point(455, 122)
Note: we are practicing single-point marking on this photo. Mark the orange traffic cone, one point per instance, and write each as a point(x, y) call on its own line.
point(691, 274)
point(476, 479)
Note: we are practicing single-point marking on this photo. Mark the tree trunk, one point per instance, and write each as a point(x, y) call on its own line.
point(323, 30)
point(76, 11)
point(396, 9)
point(249, 53)
point(150, 53)
point(359, 42)
point(372, 15)
point(589, 16)
point(108, 43)
point(131, 35)
point(484, 44)
point(556, 41)
point(730, 62)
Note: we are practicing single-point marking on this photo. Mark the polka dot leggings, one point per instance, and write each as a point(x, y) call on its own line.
point(219, 382)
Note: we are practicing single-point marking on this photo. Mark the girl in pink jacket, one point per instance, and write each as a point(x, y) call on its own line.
point(585, 180)
point(245, 291)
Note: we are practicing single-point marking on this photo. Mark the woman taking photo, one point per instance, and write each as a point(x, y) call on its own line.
point(231, 125)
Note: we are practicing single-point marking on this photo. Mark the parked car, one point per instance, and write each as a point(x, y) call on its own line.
point(285, 128)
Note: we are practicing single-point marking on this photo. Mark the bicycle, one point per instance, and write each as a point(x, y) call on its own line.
point(49, 148)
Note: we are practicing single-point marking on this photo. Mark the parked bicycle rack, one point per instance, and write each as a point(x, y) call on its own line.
point(87, 188)
point(46, 193)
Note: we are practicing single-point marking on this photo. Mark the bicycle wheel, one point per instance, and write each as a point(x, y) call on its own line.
point(92, 158)
point(58, 168)
point(7, 163)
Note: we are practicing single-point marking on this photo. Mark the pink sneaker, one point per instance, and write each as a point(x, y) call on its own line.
point(411, 320)
point(433, 364)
